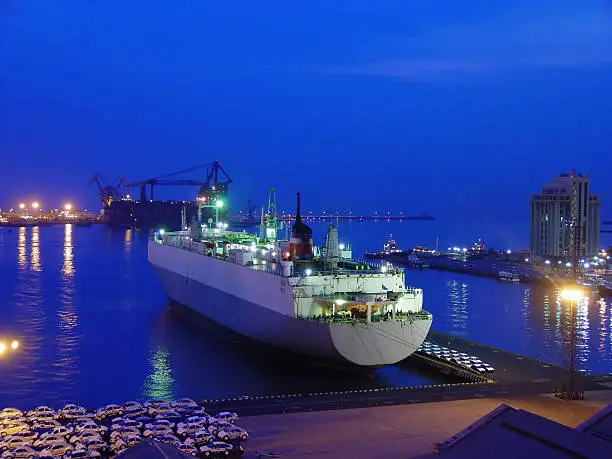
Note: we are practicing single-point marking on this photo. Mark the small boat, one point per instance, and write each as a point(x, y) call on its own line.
point(508, 276)
point(390, 248)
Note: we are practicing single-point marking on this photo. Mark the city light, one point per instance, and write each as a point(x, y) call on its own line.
point(547, 262)
point(68, 207)
point(162, 232)
point(219, 204)
point(35, 205)
point(2, 348)
point(14, 345)
point(340, 302)
point(571, 294)
point(308, 272)
point(341, 246)
point(587, 265)
point(21, 205)
point(508, 251)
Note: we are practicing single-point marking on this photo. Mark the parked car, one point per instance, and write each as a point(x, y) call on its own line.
point(94, 444)
point(131, 404)
point(172, 414)
point(123, 432)
point(28, 434)
point(82, 454)
point(47, 440)
point(126, 442)
point(160, 422)
point(135, 412)
point(187, 449)
point(83, 436)
point(185, 430)
point(62, 431)
point(216, 448)
point(10, 414)
point(72, 414)
point(41, 412)
point(108, 411)
point(45, 425)
point(160, 409)
point(20, 452)
point(157, 431)
point(183, 403)
point(126, 423)
point(168, 439)
point(11, 410)
point(199, 438)
point(13, 428)
point(227, 417)
point(216, 426)
point(155, 402)
point(233, 434)
point(14, 441)
point(58, 449)
point(91, 426)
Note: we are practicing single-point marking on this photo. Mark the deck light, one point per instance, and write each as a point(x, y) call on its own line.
point(219, 204)
point(162, 232)
point(14, 345)
point(572, 294)
point(35, 205)
point(308, 272)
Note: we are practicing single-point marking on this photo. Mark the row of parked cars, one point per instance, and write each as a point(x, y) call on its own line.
point(76, 433)
point(458, 358)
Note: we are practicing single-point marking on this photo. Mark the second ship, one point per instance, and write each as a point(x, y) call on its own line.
point(315, 301)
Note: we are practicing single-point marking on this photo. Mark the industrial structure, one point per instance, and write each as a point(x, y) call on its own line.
point(565, 218)
point(122, 210)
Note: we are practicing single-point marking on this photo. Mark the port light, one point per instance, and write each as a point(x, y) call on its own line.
point(568, 264)
point(2, 348)
point(308, 272)
point(14, 345)
point(340, 302)
point(68, 207)
point(219, 204)
point(341, 246)
point(547, 262)
point(21, 205)
point(162, 232)
point(35, 205)
point(383, 269)
point(572, 294)
point(587, 265)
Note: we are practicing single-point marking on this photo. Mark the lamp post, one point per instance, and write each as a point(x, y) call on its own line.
point(218, 205)
point(573, 296)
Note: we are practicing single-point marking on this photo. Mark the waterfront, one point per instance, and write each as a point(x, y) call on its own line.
point(94, 327)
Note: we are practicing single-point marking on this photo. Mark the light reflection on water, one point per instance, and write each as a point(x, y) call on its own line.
point(458, 307)
point(160, 381)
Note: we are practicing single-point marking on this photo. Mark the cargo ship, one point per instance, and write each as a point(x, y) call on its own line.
point(314, 301)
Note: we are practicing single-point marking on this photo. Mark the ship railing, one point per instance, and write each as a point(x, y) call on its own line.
point(388, 317)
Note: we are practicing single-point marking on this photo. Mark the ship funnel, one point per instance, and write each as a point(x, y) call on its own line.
point(300, 244)
point(332, 249)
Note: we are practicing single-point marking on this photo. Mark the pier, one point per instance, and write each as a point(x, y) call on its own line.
point(514, 375)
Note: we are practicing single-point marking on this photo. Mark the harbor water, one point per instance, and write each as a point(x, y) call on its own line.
point(93, 324)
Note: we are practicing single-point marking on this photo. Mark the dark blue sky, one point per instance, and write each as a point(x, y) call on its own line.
point(458, 109)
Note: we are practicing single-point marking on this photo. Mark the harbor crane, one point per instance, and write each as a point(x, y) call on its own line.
point(109, 192)
point(208, 188)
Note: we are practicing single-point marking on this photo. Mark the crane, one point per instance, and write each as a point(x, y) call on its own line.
point(207, 188)
point(109, 192)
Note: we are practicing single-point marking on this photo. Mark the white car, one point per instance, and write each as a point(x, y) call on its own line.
point(14, 441)
point(199, 419)
point(172, 414)
point(123, 432)
point(233, 434)
point(108, 411)
point(155, 402)
point(216, 448)
point(82, 454)
point(160, 409)
point(126, 423)
point(62, 431)
point(187, 449)
point(157, 431)
point(43, 409)
point(168, 439)
point(131, 404)
point(94, 444)
point(126, 442)
point(10, 414)
point(70, 415)
point(227, 417)
point(200, 438)
point(159, 422)
point(184, 403)
point(216, 426)
point(11, 410)
point(135, 412)
point(91, 426)
point(28, 435)
point(45, 425)
point(47, 440)
point(19, 453)
point(58, 449)
point(185, 430)
point(13, 428)
point(84, 436)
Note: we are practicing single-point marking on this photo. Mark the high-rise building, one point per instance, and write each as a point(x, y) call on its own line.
point(565, 218)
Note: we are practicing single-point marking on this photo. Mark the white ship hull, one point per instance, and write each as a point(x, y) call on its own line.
point(260, 306)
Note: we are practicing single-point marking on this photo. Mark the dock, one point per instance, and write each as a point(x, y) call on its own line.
point(514, 375)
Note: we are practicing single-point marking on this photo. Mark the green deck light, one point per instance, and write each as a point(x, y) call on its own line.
point(219, 204)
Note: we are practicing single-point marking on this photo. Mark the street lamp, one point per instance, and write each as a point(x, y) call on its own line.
point(573, 296)
point(35, 205)
point(218, 205)
point(68, 207)
point(21, 205)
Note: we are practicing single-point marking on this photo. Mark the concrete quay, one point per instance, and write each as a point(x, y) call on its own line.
point(402, 431)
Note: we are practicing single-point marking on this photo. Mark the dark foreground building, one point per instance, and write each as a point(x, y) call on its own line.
point(508, 433)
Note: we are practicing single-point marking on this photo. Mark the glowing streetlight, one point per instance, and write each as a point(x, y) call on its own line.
point(573, 296)
point(68, 207)
point(21, 205)
point(14, 345)
point(35, 205)
point(2, 348)
point(219, 204)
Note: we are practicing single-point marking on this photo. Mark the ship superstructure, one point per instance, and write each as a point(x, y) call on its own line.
point(315, 301)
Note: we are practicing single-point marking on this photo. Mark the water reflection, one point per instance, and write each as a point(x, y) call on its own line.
point(35, 249)
point(160, 381)
point(127, 240)
point(68, 337)
point(22, 249)
point(457, 307)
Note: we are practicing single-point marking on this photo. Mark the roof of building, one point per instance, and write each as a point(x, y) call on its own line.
point(599, 425)
point(508, 433)
point(151, 449)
